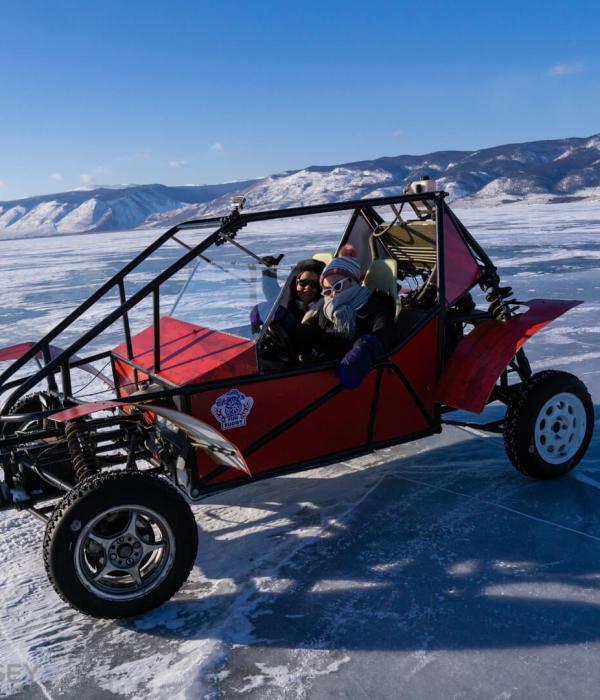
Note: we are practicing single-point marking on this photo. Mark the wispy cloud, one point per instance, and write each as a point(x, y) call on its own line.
point(178, 164)
point(398, 134)
point(566, 69)
point(56, 177)
point(217, 147)
point(88, 178)
point(2, 183)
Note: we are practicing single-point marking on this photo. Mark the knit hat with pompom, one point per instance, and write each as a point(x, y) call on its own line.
point(346, 264)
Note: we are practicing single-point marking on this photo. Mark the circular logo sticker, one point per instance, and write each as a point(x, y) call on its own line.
point(231, 409)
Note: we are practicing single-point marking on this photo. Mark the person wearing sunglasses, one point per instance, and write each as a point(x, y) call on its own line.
point(304, 293)
point(353, 322)
point(302, 298)
point(305, 289)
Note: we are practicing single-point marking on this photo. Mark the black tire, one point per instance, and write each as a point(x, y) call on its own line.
point(62, 466)
point(32, 403)
point(112, 519)
point(548, 424)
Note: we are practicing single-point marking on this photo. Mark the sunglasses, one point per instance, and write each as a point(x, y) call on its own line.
point(313, 284)
point(337, 287)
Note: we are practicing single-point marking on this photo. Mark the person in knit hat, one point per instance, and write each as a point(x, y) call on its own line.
point(352, 322)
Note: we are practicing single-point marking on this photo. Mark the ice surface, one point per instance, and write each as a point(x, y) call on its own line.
point(429, 570)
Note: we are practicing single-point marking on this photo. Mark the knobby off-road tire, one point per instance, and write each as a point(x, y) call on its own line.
point(548, 424)
point(32, 403)
point(120, 544)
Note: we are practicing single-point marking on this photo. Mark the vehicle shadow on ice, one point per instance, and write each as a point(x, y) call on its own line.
point(447, 548)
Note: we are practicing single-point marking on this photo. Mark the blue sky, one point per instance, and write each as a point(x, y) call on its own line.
point(180, 92)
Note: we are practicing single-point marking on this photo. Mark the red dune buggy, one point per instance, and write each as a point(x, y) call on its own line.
point(187, 403)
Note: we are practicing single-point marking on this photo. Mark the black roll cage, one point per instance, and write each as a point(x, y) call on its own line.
point(227, 227)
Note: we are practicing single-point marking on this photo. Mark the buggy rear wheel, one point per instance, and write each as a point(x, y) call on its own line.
point(120, 544)
point(61, 465)
point(549, 424)
point(32, 403)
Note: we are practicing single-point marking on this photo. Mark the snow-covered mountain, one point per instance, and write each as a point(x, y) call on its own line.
point(105, 208)
point(556, 171)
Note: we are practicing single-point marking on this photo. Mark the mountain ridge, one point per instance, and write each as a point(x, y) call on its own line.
point(544, 170)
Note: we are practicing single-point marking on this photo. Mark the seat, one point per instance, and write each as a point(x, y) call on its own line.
point(381, 277)
point(412, 244)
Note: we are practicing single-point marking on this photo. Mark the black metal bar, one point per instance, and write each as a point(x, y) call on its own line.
point(32, 437)
point(289, 422)
point(182, 243)
point(374, 404)
point(441, 279)
point(232, 240)
point(52, 385)
point(65, 375)
point(126, 327)
point(137, 368)
point(103, 355)
point(212, 475)
point(90, 301)
point(46, 476)
point(111, 317)
point(409, 387)
point(347, 231)
point(131, 465)
point(18, 382)
point(248, 217)
point(38, 514)
point(156, 327)
point(319, 461)
point(462, 229)
point(491, 427)
point(524, 368)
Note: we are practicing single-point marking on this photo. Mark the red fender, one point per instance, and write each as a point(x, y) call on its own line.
point(482, 355)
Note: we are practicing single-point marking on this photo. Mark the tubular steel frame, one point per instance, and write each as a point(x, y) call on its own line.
point(226, 229)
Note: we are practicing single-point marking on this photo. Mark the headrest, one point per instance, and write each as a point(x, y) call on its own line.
point(381, 276)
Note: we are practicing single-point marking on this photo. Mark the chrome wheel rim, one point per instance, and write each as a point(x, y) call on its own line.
point(560, 428)
point(124, 552)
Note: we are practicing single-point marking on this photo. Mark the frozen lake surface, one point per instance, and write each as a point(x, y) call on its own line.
point(429, 570)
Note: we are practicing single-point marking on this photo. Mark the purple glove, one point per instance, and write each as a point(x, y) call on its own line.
point(256, 320)
point(357, 362)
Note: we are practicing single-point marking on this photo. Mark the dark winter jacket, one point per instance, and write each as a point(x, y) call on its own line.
point(317, 339)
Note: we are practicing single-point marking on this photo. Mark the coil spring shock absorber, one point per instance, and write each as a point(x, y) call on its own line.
point(82, 449)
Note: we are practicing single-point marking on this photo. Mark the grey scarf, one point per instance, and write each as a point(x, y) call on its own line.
point(341, 309)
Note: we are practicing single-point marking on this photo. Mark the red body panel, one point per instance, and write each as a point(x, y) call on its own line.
point(14, 351)
point(189, 354)
point(481, 356)
point(339, 424)
point(397, 412)
point(461, 270)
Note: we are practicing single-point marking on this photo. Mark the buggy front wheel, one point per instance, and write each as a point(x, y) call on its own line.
point(548, 424)
point(120, 544)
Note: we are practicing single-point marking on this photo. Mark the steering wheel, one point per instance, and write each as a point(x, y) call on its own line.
point(277, 344)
